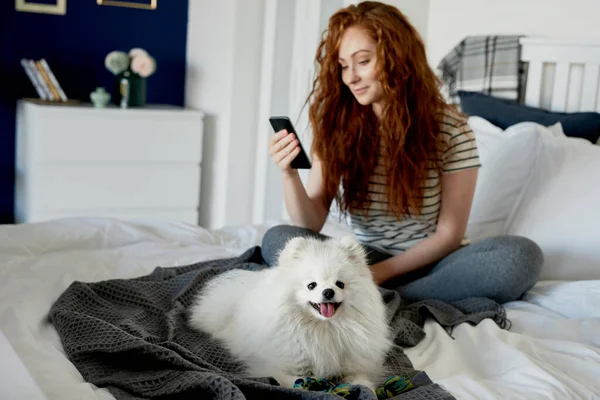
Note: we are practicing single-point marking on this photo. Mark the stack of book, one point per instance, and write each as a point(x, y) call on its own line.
point(43, 80)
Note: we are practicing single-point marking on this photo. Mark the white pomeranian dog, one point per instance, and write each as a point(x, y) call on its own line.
point(318, 313)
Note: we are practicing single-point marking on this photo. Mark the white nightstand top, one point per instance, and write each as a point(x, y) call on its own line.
point(111, 108)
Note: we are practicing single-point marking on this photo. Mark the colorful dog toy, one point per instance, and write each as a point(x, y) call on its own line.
point(393, 386)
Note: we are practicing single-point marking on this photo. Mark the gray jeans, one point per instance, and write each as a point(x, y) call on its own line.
point(501, 268)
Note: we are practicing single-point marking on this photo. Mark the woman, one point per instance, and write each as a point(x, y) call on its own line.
point(400, 161)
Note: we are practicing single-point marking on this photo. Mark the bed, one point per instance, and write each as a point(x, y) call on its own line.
point(537, 182)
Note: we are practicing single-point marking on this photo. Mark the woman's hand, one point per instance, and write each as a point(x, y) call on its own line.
point(283, 148)
point(383, 271)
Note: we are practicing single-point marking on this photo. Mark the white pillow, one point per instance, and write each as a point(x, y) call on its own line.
point(560, 210)
point(538, 183)
point(508, 159)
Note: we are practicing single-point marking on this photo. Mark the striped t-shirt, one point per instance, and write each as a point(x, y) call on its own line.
point(381, 229)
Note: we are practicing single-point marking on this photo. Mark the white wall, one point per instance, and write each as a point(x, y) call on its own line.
point(274, 100)
point(223, 57)
point(417, 12)
point(244, 97)
point(451, 20)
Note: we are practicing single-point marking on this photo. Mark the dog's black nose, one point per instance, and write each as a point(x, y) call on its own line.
point(328, 294)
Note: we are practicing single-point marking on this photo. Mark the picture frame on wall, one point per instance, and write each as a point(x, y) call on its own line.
point(140, 4)
point(58, 7)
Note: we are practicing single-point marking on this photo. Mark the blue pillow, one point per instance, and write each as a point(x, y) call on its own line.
point(504, 113)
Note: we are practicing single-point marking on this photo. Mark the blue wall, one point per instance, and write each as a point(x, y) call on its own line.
point(75, 46)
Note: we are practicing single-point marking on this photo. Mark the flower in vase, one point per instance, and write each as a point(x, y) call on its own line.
point(138, 61)
point(143, 64)
point(117, 62)
point(137, 52)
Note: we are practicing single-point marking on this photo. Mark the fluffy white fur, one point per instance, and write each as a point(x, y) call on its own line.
point(266, 318)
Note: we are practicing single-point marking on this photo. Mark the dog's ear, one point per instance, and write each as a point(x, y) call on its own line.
point(355, 250)
point(292, 248)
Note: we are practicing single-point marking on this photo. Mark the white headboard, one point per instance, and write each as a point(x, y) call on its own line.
point(562, 75)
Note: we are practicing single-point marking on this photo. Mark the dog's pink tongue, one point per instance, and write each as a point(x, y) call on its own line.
point(327, 310)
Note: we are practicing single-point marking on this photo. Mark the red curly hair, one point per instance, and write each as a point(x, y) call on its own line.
point(347, 136)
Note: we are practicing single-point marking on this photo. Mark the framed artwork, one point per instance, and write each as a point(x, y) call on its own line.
point(57, 7)
point(141, 4)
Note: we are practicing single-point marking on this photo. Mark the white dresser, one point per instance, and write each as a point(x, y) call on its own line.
point(124, 163)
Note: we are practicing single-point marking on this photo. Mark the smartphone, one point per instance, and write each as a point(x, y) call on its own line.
point(301, 161)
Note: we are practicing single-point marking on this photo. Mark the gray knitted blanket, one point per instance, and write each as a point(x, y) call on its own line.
point(130, 336)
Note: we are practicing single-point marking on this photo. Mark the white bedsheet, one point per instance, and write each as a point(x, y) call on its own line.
point(552, 351)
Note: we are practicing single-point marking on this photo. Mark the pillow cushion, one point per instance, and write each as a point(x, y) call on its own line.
point(505, 113)
point(560, 210)
point(538, 183)
point(508, 159)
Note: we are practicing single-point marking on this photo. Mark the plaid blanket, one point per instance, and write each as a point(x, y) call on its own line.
point(488, 64)
point(131, 336)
